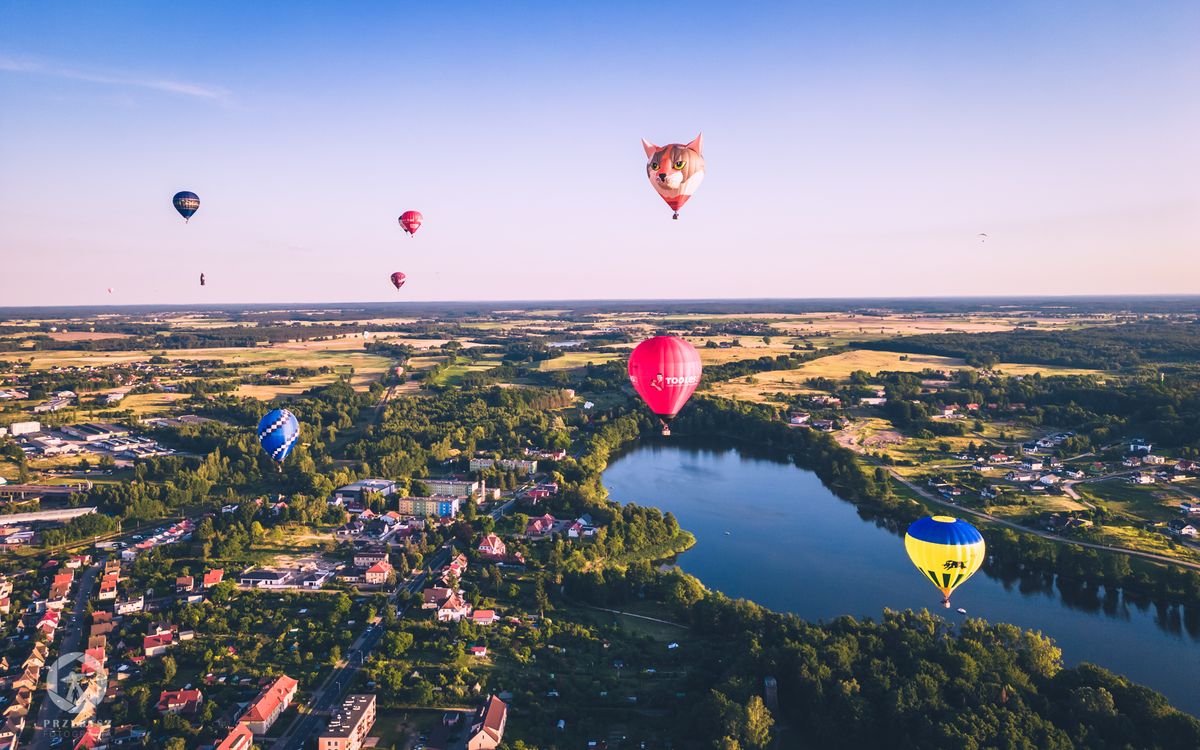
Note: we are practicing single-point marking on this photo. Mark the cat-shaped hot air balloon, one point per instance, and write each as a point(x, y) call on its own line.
point(675, 170)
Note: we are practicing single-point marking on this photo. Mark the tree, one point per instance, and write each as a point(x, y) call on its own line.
point(539, 594)
point(169, 669)
point(176, 743)
point(758, 723)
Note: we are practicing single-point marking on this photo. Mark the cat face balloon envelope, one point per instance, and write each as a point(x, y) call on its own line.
point(675, 170)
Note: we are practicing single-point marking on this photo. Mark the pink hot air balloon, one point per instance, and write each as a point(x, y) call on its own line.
point(665, 371)
point(398, 279)
point(410, 221)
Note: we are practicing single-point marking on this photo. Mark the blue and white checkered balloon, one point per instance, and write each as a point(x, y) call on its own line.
point(278, 432)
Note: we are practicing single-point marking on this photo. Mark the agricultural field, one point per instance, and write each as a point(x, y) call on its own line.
point(573, 359)
point(762, 387)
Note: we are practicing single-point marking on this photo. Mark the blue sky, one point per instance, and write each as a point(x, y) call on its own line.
point(853, 149)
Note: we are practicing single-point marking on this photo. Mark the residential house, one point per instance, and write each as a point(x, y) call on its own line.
point(270, 703)
point(212, 578)
point(265, 579)
point(492, 547)
point(130, 606)
point(540, 526)
point(1139, 445)
point(483, 616)
point(1180, 527)
point(239, 738)
point(432, 598)
point(108, 588)
point(487, 729)
point(378, 574)
point(453, 609)
point(180, 701)
point(1021, 477)
point(156, 645)
point(184, 584)
point(368, 556)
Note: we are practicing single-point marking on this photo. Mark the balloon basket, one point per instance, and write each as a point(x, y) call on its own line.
point(675, 216)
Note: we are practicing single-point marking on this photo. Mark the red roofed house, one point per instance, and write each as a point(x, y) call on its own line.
point(453, 609)
point(432, 598)
point(270, 703)
point(108, 587)
point(483, 616)
point(49, 622)
point(488, 729)
point(492, 546)
point(93, 661)
point(93, 737)
point(378, 573)
point(213, 577)
point(153, 645)
point(180, 701)
point(540, 526)
point(479, 651)
point(240, 738)
point(184, 584)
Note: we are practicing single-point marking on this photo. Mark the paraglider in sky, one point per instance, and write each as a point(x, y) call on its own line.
point(201, 279)
point(675, 170)
point(410, 221)
point(277, 433)
point(665, 371)
point(398, 279)
point(186, 203)
point(946, 550)
point(983, 237)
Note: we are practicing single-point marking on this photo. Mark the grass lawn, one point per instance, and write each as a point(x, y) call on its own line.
point(1152, 502)
point(453, 374)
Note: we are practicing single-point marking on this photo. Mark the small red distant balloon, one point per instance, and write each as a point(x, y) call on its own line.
point(410, 221)
point(665, 371)
point(398, 279)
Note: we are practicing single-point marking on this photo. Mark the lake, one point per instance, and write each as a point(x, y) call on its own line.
point(773, 533)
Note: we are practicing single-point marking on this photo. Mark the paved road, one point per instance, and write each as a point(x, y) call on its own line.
point(331, 691)
point(1044, 534)
point(71, 631)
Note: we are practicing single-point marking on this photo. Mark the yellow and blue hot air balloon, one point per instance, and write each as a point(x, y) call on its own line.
point(946, 550)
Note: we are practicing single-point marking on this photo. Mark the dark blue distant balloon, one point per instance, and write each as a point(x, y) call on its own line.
point(277, 432)
point(186, 204)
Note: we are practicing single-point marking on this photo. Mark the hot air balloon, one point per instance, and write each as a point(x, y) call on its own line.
point(410, 221)
point(201, 279)
point(398, 279)
point(665, 371)
point(277, 433)
point(946, 550)
point(675, 170)
point(186, 203)
point(110, 290)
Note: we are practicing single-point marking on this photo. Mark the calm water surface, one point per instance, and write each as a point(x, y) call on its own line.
point(794, 546)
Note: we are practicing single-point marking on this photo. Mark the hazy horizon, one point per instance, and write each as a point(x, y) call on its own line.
point(853, 152)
